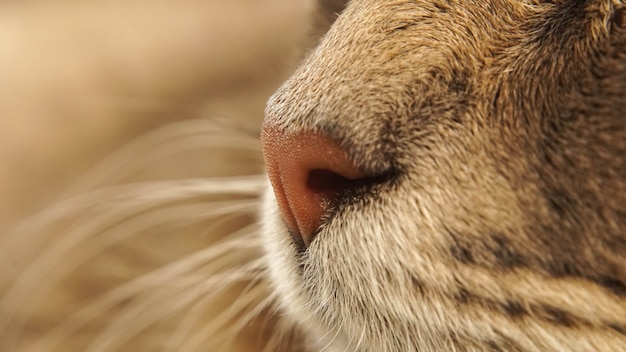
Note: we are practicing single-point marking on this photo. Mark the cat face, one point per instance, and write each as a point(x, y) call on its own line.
point(489, 210)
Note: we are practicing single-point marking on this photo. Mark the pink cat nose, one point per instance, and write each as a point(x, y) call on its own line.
point(308, 172)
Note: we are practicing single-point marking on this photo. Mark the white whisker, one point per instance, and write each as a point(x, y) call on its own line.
point(217, 332)
point(159, 278)
point(146, 194)
point(31, 287)
point(175, 138)
point(190, 319)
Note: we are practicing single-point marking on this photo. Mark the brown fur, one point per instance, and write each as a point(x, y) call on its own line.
point(499, 129)
point(496, 131)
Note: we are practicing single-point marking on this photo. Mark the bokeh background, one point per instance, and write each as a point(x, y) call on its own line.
point(79, 79)
point(126, 128)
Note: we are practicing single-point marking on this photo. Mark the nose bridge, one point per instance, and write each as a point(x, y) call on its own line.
point(353, 77)
point(335, 95)
point(357, 88)
point(357, 114)
point(336, 83)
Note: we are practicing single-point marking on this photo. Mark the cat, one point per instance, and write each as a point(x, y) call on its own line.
point(441, 176)
point(451, 176)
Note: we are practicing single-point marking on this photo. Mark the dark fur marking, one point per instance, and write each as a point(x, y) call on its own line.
point(559, 201)
point(462, 254)
point(617, 328)
point(567, 270)
point(565, 267)
point(418, 285)
point(561, 21)
point(514, 309)
point(555, 316)
point(403, 27)
point(462, 295)
point(612, 284)
point(460, 82)
point(505, 254)
point(619, 17)
point(440, 7)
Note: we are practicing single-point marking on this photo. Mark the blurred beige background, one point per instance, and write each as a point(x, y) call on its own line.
point(81, 78)
point(127, 131)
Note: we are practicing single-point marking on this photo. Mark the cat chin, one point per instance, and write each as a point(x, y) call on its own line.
point(307, 291)
point(284, 275)
point(356, 286)
point(280, 256)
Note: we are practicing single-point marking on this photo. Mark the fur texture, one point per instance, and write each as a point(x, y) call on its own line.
point(496, 133)
point(499, 131)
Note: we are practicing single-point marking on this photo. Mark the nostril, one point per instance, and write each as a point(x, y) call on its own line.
point(309, 173)
point(327, 184)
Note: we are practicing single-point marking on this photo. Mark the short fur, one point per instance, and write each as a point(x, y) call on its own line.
point(500, 130)
point(497, 132)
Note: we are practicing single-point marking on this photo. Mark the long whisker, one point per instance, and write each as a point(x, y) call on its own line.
point(284, 336)
point(216, 330)
point(44, 266)
point(170, 274)
point(151, 309)
point(191, 319)
point(31, 286)
point(173, 139)
point(146, 194)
